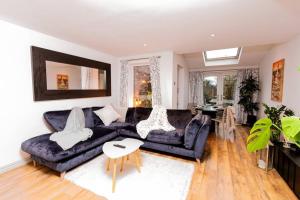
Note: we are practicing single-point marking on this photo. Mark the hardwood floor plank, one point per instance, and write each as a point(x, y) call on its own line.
point(228, 172)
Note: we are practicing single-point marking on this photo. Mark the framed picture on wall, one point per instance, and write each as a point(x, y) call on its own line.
point(62, 82)
point(277, 80)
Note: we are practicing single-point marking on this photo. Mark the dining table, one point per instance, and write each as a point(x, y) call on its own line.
point(210, 110)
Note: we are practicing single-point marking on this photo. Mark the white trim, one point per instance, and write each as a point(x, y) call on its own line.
point(14, 165)
point(221, 68)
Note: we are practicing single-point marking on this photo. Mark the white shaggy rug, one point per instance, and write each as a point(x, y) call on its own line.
point(160, 178)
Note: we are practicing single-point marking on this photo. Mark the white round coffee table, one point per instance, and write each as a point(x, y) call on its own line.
point(114, 153)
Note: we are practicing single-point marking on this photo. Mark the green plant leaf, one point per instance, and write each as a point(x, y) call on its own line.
point(259, 135)
point(291, 129)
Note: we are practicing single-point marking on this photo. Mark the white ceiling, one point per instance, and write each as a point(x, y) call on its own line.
point(250, 56)
point(121, 27)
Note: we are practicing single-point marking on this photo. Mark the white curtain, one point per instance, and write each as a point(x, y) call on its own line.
point(196, 88)
point(86, 75)
point(243, 74)
point(124, 84)
point(155, 80)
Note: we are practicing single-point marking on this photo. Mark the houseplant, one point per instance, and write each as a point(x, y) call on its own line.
point(260, 135)
point(275, 114)
point(248, 88)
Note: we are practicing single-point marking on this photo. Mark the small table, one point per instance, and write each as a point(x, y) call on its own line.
point(114, 153)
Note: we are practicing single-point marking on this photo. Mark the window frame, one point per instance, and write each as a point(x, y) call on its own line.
point(222, 58)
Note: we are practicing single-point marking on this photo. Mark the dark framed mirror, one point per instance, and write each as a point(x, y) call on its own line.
point(58, 75)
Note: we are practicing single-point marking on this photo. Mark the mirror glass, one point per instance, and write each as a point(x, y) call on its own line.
point(62, 76)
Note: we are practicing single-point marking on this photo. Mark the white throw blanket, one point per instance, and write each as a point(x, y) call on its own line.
point(74, 131)
point(158, 119)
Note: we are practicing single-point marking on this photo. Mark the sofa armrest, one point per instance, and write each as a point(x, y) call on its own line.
point(201, 141)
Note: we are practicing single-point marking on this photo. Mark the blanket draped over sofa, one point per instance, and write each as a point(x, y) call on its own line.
point(158, 120)
point(74, 131)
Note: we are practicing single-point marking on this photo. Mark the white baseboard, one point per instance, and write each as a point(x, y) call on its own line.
point(14, 165)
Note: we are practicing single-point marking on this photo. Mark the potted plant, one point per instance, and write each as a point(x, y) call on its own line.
point(248, 88)
point(261, 132)
point(275, 114)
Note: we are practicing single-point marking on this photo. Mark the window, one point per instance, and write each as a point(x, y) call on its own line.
point(142, 87)
point(219, 57)
point(210, 90)
point(221, 54)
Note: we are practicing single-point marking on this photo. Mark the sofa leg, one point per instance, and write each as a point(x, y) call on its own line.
point(62, 175)
point(198, 162)
point(34, 163)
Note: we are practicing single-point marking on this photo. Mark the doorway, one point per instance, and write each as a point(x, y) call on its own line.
point(219, 88)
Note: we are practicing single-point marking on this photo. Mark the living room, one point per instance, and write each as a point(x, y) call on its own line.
point(189, 60)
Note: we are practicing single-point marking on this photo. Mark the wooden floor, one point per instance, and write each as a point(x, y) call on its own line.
point(227, 172)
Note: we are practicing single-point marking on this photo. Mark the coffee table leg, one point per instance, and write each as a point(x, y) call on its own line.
point(114, 175)
point(137, 161)
point(122, 163)
point(140, 158)
point(108, 162)
point(127, 157)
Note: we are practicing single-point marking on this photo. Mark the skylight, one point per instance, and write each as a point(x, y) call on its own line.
point(222, 54)
point(220, 57)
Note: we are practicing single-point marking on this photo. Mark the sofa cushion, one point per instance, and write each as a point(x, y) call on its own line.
point(107, 114)
point(42, 147)
point(179, 118)
point(118, 125)
point(166, 137)
point(141, 114)
point(192, 130)
point(129, 131)
point(97, 120)
point(58, 119)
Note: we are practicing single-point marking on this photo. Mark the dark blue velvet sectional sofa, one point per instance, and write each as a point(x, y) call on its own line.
point(188, 140)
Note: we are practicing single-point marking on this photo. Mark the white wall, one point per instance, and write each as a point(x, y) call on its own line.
point(166, 75)
point(21, 117)
point(290, 51)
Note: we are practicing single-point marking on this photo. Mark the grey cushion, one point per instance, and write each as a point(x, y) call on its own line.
point(129, 133)
point(191, 131)
point(118, 125)
point(164, 137)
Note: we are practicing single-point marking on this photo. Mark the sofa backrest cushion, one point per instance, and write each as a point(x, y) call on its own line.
point(194, 128)
point(97, 120)
point(177, 118)
point(58, 119)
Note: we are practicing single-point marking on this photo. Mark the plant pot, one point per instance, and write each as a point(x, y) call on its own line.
point(251, 119)
point(292, 147)
point(265, 157)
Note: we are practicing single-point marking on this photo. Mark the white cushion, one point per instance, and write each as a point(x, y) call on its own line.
point(107, 115)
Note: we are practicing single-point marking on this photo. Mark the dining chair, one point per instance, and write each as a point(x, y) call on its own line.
point(225, 124)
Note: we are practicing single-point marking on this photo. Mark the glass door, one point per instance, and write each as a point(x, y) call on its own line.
point(229, 87)
point(210, 90)
point(219, 88)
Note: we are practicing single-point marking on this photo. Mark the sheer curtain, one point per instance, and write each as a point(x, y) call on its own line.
point(155, 80)
point(124, 84)
point(196, 88)
point(86, 78)
point(243, 74)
